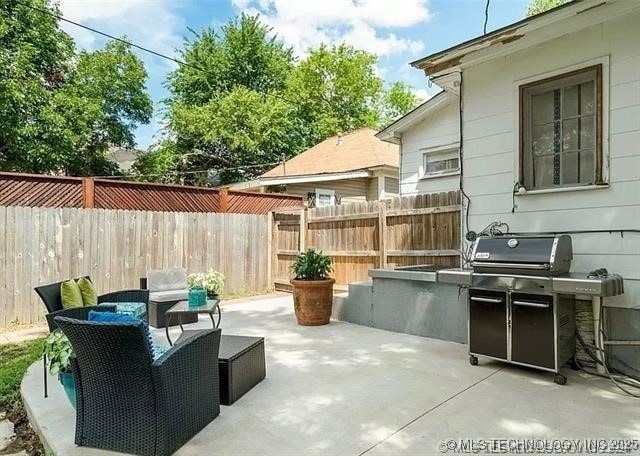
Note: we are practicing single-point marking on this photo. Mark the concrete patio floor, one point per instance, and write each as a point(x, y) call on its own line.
point(345, 389)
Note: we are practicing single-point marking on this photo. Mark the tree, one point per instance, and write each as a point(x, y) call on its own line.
point(241, 103)
point(540, 6)
point(397, 100)
point(60, 110)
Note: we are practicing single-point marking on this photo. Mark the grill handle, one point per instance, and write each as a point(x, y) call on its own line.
point(542, 305)
point(490, 300)
point(537, 266)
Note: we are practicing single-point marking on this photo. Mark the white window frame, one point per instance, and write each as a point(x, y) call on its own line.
point(325, 192)
point(444, 150)
point(604, 61)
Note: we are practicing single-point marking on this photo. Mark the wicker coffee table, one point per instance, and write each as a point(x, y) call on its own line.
point(182, 308)
point(242, 366)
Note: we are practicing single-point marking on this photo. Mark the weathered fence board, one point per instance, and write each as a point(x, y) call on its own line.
point(423, 229)
point(116, 248)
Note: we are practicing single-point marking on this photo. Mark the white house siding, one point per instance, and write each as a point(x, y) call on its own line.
point(490, 149)
point(440, 128)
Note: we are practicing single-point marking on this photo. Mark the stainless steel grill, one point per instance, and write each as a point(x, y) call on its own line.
point(521, 299)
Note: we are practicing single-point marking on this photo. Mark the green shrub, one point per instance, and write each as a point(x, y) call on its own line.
point(312, 265)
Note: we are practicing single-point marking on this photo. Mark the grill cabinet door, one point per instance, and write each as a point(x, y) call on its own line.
point(532, 330)
point(488, 323)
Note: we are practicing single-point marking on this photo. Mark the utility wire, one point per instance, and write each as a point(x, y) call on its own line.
point(486, 16)
point(179, 173)
point(137, 46)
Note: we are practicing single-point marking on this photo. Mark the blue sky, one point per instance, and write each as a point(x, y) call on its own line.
point(398, 31)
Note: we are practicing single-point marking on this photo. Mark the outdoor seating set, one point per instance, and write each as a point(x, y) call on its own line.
point(136, 397)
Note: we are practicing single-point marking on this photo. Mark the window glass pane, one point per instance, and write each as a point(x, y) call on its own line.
point(542, 108)
point(570, 166)
point(587, 132)
point(587, 98)
point(542, 139)
point(570, 134)
point(543, 171)
point(570, 101)
point(587, 167)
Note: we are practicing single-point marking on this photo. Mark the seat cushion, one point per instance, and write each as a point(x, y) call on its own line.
point(70, 294)
point(88, 292)
point(166, 279)
point(169, 295)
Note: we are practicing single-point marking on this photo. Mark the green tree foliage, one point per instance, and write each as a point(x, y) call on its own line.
point(242, 100)
point(60, 110)
point(540, 6)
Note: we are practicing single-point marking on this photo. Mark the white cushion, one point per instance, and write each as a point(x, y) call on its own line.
point(166, 279)
point(169, 295)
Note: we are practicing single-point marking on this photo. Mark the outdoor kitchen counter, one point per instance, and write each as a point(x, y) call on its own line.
point(406, 301)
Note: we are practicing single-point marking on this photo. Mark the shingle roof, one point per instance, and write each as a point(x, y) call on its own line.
point(357, 150)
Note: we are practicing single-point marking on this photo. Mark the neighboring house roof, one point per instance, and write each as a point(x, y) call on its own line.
point(123, 157)
point(340, 155)
point(531, 31)
point(392, 133)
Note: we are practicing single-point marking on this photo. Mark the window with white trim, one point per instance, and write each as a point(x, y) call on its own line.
point(325, 197)
point(561, 126)
point(441, 160)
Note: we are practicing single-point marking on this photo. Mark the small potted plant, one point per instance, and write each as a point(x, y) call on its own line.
point(58, 350)
point(212, 282)
point(312, 288)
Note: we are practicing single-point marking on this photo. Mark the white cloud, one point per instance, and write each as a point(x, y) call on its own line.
point(151, 23)
point(305, 24)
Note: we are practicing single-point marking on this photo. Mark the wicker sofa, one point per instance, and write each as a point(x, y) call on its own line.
point(130, 403)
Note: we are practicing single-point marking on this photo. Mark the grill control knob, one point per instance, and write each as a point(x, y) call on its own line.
point(512, 243)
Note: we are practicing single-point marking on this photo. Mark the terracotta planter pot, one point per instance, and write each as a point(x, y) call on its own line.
point(312, 301)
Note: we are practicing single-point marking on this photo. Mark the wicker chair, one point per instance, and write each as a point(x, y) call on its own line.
point(130, 403)
point(50, 295)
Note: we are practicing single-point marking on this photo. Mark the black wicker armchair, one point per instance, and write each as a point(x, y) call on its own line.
point(50, 295)
point(130, 403)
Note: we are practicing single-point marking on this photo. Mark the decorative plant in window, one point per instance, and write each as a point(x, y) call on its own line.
point(212, 282)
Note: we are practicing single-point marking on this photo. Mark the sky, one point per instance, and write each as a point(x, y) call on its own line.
point(397, 31)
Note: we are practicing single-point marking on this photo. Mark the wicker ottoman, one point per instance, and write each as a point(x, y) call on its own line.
point(241, 364)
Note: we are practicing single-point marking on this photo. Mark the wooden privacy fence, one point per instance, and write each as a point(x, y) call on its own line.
point(422, 229)
point(56, 191)
point(116, 248)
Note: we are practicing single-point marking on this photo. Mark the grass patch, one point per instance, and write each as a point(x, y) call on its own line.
point(14, 361)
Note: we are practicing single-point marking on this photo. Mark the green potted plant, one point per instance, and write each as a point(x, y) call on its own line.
point(212, 282)
point(58, 350)
point(312, 288)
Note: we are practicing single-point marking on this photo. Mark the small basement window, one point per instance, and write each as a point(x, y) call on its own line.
point(441, 160)
point(561, 130)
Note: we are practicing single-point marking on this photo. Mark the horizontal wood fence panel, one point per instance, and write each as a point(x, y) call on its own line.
point(422, 229)
point(116, 248)
point(34, 190)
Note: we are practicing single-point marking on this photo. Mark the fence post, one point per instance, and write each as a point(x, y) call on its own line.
point(270, 253)
point(88, 193)
point(382, 233)
point(303, 229)
point(224, 200)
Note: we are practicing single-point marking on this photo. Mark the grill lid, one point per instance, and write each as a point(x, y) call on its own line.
point(523, 254)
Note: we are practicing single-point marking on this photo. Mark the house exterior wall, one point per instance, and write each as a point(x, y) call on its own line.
point(351, 190)
point(491, 149)
point(441, 128)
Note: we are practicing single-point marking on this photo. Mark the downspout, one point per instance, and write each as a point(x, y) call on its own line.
point(465, 208)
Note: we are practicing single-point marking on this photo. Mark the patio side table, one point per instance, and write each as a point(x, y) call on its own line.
point(182, 308)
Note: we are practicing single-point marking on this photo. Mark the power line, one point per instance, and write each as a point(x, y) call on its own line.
point(137, 46)
point(179, 173)
point(486, 16)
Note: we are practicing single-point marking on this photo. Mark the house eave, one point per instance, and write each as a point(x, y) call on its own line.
point(305, 178)
point(523, 34)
